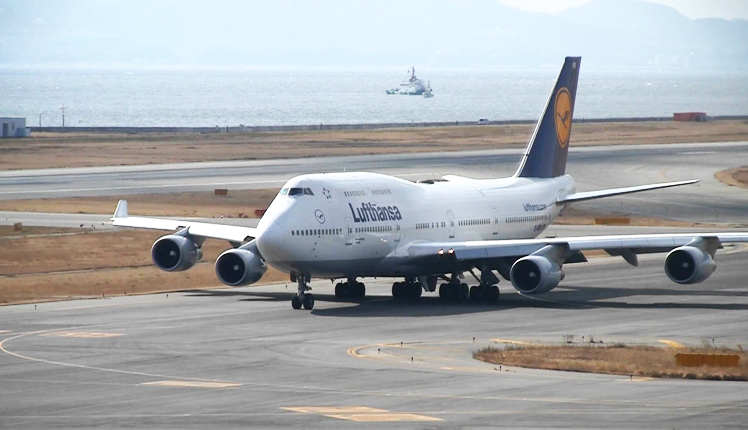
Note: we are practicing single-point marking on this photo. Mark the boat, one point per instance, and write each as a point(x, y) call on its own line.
point(428, 94)
point(413, 87)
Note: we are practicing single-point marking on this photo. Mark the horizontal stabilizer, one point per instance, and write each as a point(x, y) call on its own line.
point(591, 195)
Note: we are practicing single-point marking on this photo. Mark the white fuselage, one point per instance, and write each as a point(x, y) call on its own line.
point(361, 224)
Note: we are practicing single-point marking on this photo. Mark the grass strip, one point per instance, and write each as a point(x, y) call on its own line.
point(617, 359)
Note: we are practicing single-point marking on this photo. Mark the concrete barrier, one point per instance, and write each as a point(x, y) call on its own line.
point(613, 220)
point(711, 360)
point(318, 127)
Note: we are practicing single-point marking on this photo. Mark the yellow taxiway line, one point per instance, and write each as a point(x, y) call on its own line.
point(362, 414)
point(671, 343)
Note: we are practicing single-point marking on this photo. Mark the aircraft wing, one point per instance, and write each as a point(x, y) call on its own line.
point(637, 243)
point(231, 233)
point(591, 195)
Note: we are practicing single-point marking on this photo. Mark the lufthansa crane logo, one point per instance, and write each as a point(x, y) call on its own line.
point(562, 110)
point(319, 216)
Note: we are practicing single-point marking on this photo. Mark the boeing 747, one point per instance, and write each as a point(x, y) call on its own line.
point(345, 226)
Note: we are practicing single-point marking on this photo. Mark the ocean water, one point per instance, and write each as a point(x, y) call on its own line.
point(209, 97)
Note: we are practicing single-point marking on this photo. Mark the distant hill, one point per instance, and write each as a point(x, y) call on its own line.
point(330, 33)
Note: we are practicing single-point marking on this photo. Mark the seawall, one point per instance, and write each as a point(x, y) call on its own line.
point(291, 128)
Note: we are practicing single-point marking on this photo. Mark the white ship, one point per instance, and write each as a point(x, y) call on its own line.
point(428, 94)
point(414, 86)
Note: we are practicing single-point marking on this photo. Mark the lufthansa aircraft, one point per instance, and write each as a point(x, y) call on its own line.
point(350, 225)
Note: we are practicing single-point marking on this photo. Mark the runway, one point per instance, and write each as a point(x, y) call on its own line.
point(592, 167)
point(242, 357)
point(230, 358)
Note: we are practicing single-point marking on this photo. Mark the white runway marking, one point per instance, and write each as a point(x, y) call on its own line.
point(192, 384)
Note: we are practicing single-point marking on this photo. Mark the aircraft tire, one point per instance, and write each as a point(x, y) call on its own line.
point(308, 301)
point(476, 293)
point(342, 290)
point(296, 301)
point(492, 294)
point(358, 290)
point(397, 290)
point(463, 292)
point(415, 291)
point(444, 291)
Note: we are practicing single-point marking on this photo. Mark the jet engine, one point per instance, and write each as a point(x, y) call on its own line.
point(535, 274)
point(689, 265)
point(175, 253)
point(240, 266)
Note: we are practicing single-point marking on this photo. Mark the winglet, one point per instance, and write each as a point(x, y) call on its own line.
point(121, 211)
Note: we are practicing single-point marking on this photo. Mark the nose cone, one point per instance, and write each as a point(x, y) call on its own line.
point(270, 242)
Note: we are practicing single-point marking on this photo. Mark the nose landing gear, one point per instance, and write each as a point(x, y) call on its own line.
point(303, 297)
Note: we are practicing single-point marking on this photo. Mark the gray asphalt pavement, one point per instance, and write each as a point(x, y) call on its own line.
point(230, 358)
point(233, 358)
point(592, 167)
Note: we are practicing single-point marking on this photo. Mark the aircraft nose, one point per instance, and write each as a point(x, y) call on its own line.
point(270, 242)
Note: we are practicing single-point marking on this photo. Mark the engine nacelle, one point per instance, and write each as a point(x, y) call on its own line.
point(689, 265)
point(175, 253)
point(535, 274)
point(241, 266)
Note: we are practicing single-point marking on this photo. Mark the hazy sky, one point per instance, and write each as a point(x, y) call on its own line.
point(619, 34)
point(694, 9)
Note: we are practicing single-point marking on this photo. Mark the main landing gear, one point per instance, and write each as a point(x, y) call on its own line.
point(460, 292)
point(350, 289)
point(303, 297)
point(410, 289)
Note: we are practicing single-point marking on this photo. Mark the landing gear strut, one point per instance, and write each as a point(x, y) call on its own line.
point(303, 297)
point(350, 290)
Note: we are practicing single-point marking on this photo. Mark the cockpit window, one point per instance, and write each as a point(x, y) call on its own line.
point(297, 192)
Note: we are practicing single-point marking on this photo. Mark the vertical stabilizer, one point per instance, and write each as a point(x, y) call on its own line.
point(545, 156)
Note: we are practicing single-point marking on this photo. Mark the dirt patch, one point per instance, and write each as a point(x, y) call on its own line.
point(736, 177)
point(619, 359)
point(78, 264)
point(53, 150)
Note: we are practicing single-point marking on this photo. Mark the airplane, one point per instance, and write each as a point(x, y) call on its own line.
point(344, 226)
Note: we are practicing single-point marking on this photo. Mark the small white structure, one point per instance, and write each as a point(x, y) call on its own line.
point(14, 127)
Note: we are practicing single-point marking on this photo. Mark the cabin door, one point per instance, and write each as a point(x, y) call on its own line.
point(348, 232)
point(451, 224)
